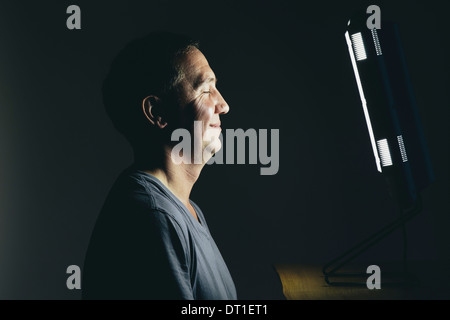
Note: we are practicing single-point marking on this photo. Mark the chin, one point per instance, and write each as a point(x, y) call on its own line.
point(212, 147)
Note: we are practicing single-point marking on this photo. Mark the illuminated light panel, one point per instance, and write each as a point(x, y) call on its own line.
point(376, 42)
point(385, 154)
point(358, 46)
point(363, 101)
point(402, 148)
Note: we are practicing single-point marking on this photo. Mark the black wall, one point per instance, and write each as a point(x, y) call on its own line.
point(281, 64)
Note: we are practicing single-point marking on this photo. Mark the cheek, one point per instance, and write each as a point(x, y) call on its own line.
point(196, 111)
point(205, 115)
point(204, 112)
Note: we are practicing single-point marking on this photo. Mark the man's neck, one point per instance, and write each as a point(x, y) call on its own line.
point(178, 178)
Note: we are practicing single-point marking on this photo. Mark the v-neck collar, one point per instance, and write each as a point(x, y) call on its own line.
point(199, 224)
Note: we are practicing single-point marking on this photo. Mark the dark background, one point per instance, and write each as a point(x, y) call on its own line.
point(282, 65)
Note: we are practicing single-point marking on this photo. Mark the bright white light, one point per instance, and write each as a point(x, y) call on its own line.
point(385, 154)
point(363, 101)
point(402, 148)
point(376, 41)
point(358, 46)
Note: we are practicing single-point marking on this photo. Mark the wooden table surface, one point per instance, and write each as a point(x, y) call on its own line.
point(306, 282)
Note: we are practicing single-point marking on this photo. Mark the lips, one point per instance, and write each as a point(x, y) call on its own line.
point(215, 125)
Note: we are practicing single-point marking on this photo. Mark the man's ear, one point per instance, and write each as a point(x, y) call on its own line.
point(151, 106)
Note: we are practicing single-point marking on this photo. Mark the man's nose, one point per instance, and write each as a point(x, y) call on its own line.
point(222, 106)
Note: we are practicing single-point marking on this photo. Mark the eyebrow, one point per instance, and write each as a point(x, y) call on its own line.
point(201, 80)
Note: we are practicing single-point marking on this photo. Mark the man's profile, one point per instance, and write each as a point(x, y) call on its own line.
point(150, 240)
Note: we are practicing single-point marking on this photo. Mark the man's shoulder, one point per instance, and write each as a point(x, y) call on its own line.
point(147, 192)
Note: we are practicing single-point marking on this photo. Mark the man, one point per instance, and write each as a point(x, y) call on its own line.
point(150, 240)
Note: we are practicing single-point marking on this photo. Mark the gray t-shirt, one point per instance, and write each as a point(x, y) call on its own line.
point(147, 245)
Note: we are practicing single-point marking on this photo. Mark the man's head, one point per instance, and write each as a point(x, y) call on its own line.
point(159, 83)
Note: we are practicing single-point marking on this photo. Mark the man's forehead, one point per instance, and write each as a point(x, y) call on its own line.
point(197, 69)
point(204, 77)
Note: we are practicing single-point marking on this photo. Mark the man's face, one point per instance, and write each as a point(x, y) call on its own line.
point(201, 101)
